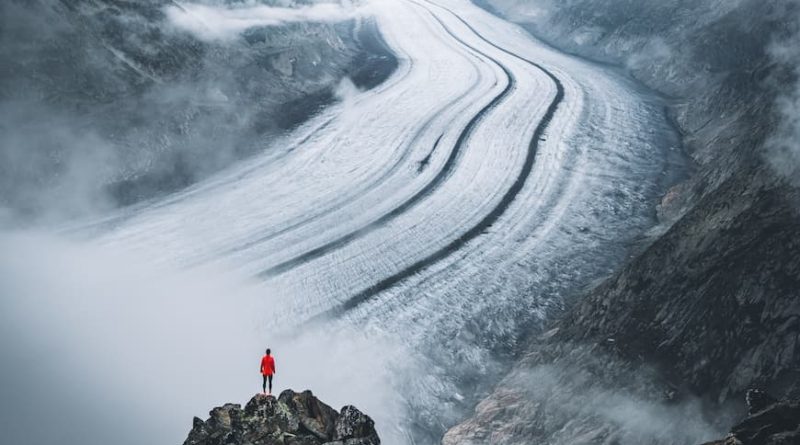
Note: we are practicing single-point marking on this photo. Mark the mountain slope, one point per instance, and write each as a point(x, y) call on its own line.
point(710, 307)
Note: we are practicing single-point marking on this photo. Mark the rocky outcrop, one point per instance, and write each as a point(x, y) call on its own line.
point(291, 419)
point(769, 423)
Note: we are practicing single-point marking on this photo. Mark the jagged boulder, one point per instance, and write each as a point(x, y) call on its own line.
point(291, 419)
point(758, 400)
point(769, 423)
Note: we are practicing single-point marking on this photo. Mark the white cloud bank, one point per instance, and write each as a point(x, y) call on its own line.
point(783, 146)
point(111, 350)
point(225, 22)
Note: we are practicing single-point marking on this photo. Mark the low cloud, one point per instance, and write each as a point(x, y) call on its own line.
point(783, 146)
point(103, 110)
point(225, 22)
point(94, 335)
point(566, 404)
point(36, 137)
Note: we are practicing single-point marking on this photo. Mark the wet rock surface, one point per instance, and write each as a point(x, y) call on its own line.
point(291, 418)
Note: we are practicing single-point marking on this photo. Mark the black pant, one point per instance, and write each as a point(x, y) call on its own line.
point(264, 385)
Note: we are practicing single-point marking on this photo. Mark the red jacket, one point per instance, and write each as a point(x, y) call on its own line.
point(267, 365)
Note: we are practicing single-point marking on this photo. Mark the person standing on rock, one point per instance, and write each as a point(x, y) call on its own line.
point(267, 371)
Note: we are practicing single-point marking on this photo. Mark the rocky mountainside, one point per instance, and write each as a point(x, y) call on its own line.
point(722, 65)
point(292, 418)
point(664, 350)
point(109, 102)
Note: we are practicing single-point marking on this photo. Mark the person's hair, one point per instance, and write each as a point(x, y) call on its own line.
point(268, 351)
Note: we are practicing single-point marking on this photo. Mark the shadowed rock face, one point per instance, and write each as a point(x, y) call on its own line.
point(769, 423)
point(292, 418)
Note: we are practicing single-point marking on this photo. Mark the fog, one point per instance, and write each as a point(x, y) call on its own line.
point(783, 146)
point(101, 110)
point(577, 404)
point(31, 134)
point(225, 22)
point(587, 396)
point(108, 105)
point(110, 350)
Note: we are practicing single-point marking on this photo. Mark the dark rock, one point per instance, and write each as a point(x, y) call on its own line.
point(354, 427)
point(291, 419)
point(758, 400)
point(775, 424)
point(316, 417)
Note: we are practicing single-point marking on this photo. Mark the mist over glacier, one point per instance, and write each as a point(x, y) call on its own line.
point(227, 22)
